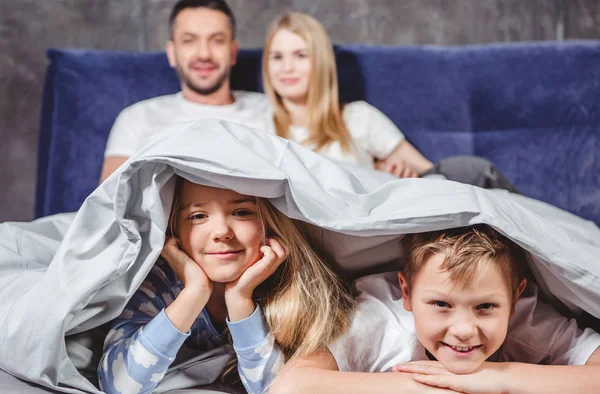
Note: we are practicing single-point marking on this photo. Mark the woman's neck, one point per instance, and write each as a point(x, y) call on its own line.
point(298, 110)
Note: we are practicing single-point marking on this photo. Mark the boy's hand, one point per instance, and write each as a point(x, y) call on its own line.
point(187, 270)
point(486, 380)
point(238, 294)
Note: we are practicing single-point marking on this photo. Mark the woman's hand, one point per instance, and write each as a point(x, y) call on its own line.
point(187, 270)
point(488, 379)
point(397, 167)
point(238, 294)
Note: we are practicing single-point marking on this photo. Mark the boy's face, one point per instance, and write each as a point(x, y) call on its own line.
point(461, 328)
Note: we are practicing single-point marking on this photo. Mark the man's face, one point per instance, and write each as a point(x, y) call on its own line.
point(460, 327)
point(202, 50)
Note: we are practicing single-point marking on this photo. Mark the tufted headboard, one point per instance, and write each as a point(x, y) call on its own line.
point(533, 109)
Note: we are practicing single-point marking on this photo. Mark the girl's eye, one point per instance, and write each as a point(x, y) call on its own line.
point(197, 216)
point(301, 55)
point(243, 213)
point(440, 304)
point(486, 307)
point(276, 56)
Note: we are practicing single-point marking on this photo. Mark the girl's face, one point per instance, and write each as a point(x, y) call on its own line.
point(220, 230)
point(289, 66)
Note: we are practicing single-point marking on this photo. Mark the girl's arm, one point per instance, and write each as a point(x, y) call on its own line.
point(145, 339)
point(319, 374)
point(143, 342)
point(259, 358)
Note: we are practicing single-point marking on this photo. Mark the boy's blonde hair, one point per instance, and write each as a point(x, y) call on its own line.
point(468, 251)
point(326, 123)
point(306, 305)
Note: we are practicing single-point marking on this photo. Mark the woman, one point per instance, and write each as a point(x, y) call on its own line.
point(300, 80)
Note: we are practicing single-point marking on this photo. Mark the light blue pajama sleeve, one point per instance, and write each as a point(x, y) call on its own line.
point(137, 363)
point(143, 343)
point(259, 357)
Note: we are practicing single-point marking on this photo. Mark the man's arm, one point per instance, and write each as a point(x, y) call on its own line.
point(110, 165)
point(319, 373)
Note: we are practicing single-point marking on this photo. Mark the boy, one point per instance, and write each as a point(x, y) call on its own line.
point(463, 300)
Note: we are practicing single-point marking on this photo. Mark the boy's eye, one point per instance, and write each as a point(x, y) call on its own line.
point(440, 304)
point(488, 306)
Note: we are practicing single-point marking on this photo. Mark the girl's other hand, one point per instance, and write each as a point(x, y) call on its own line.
point(238, 294)
point(187, 270)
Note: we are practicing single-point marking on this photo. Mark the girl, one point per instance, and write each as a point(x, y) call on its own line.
point(299, 74)
point(230, 258)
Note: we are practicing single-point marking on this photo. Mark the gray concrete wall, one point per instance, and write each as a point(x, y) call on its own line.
point(28, 27)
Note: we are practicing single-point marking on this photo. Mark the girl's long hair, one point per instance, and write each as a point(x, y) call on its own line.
point(326, 123)
point(305, 303)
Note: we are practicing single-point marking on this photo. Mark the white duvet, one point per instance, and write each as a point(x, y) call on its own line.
point(66, 274)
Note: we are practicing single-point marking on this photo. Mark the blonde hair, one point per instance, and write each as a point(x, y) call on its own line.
point(467, 251)
point(306, 305)
point(326, 123)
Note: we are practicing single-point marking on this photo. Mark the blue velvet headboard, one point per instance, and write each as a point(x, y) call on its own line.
point(533, 109)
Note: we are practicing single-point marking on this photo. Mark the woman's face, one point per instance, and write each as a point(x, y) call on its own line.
point(289, 66)
point(220, 230)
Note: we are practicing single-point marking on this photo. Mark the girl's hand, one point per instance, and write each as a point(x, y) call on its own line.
point(486, 380)
point(187, 270)
point(238, 294)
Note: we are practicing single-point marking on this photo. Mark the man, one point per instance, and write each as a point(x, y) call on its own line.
point(202, 49)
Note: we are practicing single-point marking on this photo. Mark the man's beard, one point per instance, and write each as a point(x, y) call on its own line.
point(203, 91)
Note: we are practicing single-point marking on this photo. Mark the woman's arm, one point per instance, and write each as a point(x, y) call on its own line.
point(319, 374)
point(405, 161)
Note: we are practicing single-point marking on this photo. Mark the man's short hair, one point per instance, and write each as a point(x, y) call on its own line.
point(467, 251)
point(217, 5)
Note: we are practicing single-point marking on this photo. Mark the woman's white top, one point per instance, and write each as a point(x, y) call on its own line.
point(374, 135)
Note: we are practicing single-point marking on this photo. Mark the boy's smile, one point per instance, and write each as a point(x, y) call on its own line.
point(460, 326)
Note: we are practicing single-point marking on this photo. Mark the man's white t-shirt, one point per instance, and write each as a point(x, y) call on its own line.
point(374, 135)
point(138, 124)
point(382, 333)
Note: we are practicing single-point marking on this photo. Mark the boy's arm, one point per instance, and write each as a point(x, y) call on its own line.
point(550, 379)
point(513, 378)
point(319, 373)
